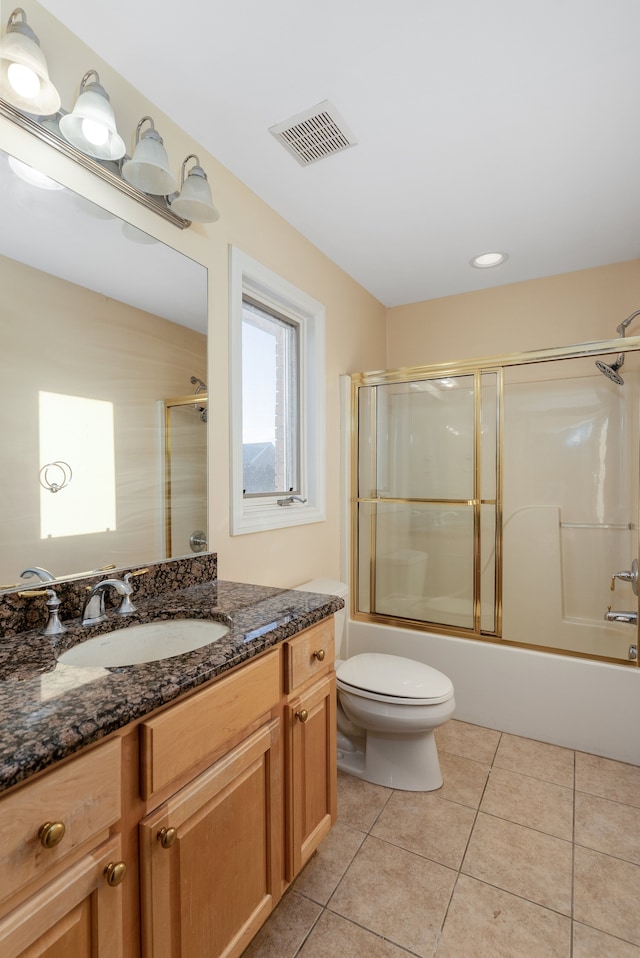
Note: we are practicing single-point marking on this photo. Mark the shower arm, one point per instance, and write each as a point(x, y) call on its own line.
point(625, 322)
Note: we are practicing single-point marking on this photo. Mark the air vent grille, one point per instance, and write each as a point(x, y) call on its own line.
point(314, 134)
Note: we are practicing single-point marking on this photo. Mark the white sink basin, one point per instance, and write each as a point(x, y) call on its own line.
point(144, 643)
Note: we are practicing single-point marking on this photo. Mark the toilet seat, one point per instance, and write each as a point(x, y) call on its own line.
point(393, 679)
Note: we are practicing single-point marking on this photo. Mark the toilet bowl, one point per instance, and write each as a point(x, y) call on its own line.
point(388, 710)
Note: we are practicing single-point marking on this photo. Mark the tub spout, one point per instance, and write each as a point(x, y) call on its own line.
point(630, 617)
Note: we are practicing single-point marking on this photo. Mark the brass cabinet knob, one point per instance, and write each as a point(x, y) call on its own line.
point(51, 834)
point(319, 654)
point(302, 715)
point(114, 873)
point(167, 836)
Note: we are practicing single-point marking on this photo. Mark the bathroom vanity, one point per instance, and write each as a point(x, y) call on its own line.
point(196, 798)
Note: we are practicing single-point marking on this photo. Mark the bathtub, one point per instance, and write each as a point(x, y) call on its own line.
point(577, 703)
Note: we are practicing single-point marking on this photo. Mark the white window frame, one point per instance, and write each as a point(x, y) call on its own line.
point(248, 514)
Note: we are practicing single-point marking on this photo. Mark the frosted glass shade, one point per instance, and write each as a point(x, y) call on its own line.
point(195, 201)
point(148, 169)
point(24, 76)
point(92, 125)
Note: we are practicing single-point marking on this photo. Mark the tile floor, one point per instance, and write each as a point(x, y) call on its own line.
point(527, 851)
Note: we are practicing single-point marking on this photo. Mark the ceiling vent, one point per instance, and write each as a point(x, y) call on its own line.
point(314, 134)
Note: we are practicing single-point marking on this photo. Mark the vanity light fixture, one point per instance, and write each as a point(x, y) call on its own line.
point(148, 169)
point(194, 202)
point(487, 260)
point(91, 127)
point(24, 76)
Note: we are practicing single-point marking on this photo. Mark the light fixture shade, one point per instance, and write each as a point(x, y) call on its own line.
point(195, 201)
point(148, 169)
point(24, 76)
point(92, 125)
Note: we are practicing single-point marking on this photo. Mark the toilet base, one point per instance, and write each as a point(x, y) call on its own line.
point(406, 762)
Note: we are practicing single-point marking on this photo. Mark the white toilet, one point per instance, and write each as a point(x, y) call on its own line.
point(388, 710)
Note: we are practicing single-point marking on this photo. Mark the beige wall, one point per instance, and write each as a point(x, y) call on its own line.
point(555, 311)
point(355, 320)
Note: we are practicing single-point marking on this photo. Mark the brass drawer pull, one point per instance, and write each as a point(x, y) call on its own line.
point(167, 837)
point(115, 872)
point(302, 715)
point(319, 655)
point(51, 834)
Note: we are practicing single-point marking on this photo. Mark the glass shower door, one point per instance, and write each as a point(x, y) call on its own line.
point(426, 508)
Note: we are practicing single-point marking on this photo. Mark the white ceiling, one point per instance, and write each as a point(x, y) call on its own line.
point(496, 125)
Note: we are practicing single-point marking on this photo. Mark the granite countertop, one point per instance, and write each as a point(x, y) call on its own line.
point(49, 711)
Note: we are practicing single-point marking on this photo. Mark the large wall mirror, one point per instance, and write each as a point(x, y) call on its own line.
point(102, 336)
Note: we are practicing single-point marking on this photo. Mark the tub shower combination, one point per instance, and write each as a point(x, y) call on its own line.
point(497, 501)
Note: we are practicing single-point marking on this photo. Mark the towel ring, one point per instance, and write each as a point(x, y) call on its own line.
point(64, 474)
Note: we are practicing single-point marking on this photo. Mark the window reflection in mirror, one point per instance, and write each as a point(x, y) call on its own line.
point(94, 310)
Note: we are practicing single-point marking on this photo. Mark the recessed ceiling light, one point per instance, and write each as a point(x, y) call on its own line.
point(487, 260)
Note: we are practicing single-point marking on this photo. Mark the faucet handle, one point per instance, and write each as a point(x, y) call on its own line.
point(126, 606)
point(131, 575)
point(627, 576)
point(54, 626)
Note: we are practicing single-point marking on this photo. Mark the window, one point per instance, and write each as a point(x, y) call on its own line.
point(277, 401)
point(270, 402)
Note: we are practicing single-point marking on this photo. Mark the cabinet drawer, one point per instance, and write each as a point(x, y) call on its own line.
point(84, 795)
point(309, 654)
point(182, 737)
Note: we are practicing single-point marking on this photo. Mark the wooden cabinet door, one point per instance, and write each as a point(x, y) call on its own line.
point(78, 915)
point(311, 771)
point(211, 889)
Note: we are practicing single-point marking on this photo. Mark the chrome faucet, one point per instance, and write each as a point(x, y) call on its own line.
point(41, 574)
point(94, 610)
point(289, 500)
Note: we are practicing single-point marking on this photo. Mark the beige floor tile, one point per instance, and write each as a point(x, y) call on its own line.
point(608, 779)
point(285, 930)
point(424, 823)
point(396, 894)
point(319, 879)
point(608, 827)
point(359, 802)
point(530, 801)
point(521, 861)
point(468, 741)
point(464, 780)
point(589, 943)
point(485, 922)
point(334, 935)
point(606, 894)
point(537, 759)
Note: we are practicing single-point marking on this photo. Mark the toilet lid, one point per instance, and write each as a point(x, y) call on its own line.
point(394, 676)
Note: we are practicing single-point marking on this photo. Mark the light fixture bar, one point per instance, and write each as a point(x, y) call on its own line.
point(68, 150)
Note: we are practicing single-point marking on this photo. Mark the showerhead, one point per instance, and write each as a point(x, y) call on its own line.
point(611, 372)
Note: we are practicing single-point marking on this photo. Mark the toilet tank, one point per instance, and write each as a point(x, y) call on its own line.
point(332, 587)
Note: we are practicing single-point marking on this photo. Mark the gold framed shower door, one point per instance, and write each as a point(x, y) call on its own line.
point(372, 503)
